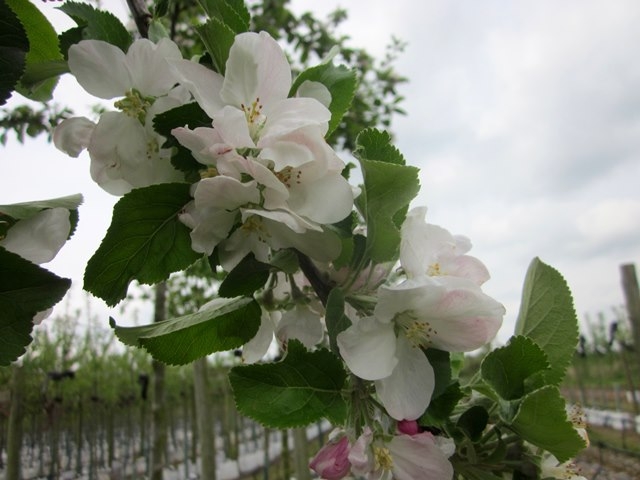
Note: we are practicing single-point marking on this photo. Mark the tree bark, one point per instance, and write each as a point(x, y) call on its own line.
point(14, 434)
point(204, 415)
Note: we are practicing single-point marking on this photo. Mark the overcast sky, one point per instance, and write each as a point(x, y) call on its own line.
point(524, 117)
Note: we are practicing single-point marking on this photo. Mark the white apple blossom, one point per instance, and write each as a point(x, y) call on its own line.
point(124, 149)
point(429, 309)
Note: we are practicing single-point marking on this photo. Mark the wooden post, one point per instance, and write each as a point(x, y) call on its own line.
point(158, 408)
point(632, 301)
point(14, 435)
point(204, 412)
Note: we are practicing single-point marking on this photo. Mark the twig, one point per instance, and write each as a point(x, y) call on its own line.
point(141, 15)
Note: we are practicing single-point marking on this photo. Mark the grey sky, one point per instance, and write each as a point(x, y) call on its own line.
point(523, 116)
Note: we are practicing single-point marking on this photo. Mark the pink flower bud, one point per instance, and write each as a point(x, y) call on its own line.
point(332, 462)
point(408, 427)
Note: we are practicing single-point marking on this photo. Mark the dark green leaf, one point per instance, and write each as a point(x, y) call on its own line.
point(25, 289)
point(14, 46)
point(217, 38)
point(145, 242)
point(341, 83)
point(473, 422)
point(335, 318)
point(442, 406)
point(548, 317)
point(285, 260)
point(302, 388)
point(98, 24)
point(178, 341)
point(441, 364)
point(542, 420)
point(43, 48)
point(247, 277)
point(509, 369)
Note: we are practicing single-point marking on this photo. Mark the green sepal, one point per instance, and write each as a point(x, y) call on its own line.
point(178, 341)
point(145, 241)
point(302, 388)
point(335, 318)
point(25, 290)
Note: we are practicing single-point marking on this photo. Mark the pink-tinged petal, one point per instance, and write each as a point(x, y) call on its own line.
point(40, 237)
point(302, 324)
point(465, 266)
point(73, 135)
point(285, 154)
point(422, 243)
point(291, 114)
point(225, 193)
point(112, 163)
point(203, 83)
point(232, 126)
point(362, 462)
point(256, 348)
point(369, 348)
point(100, 68)
point(321, 246)
point(406, 393)
point(332, 461)
point(418, 457)
point(209, 227)
point(326, 200)
point(257, 68)
point(148, 65)
point(315, 90)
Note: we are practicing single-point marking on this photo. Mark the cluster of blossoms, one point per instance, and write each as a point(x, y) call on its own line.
point(269, 181)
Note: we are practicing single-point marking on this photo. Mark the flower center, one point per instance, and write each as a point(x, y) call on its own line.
point(255, 118)
point(253, 225)
point(289, 176)
point(134, 105)
point(434, 270)
point(382, 458)
point(418, 332)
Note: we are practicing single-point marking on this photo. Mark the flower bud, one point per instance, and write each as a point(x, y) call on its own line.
point(332, 462)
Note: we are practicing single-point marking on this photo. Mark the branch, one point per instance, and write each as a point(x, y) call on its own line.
point(141, 15)
point(310, 271)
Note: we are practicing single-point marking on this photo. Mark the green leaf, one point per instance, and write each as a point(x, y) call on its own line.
point(189, 115)
point(98, 24)
point(29, 209)
point(441, 364)
point(43, 48)
point(542, 420)
point(234, 14)
point(160, 8)
point(442, 406)
point(389, 187)
point(548, 317)
point(14, 46)
point(25, 289)
point(145, 242)
point(217, 38)
point(375, 144)
point(247, 277)
point(302, 388)
point(335, 318)
point(341, 83)
point(178, 341)
point(9, 214)
point(510, 369)
point(473, 422)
